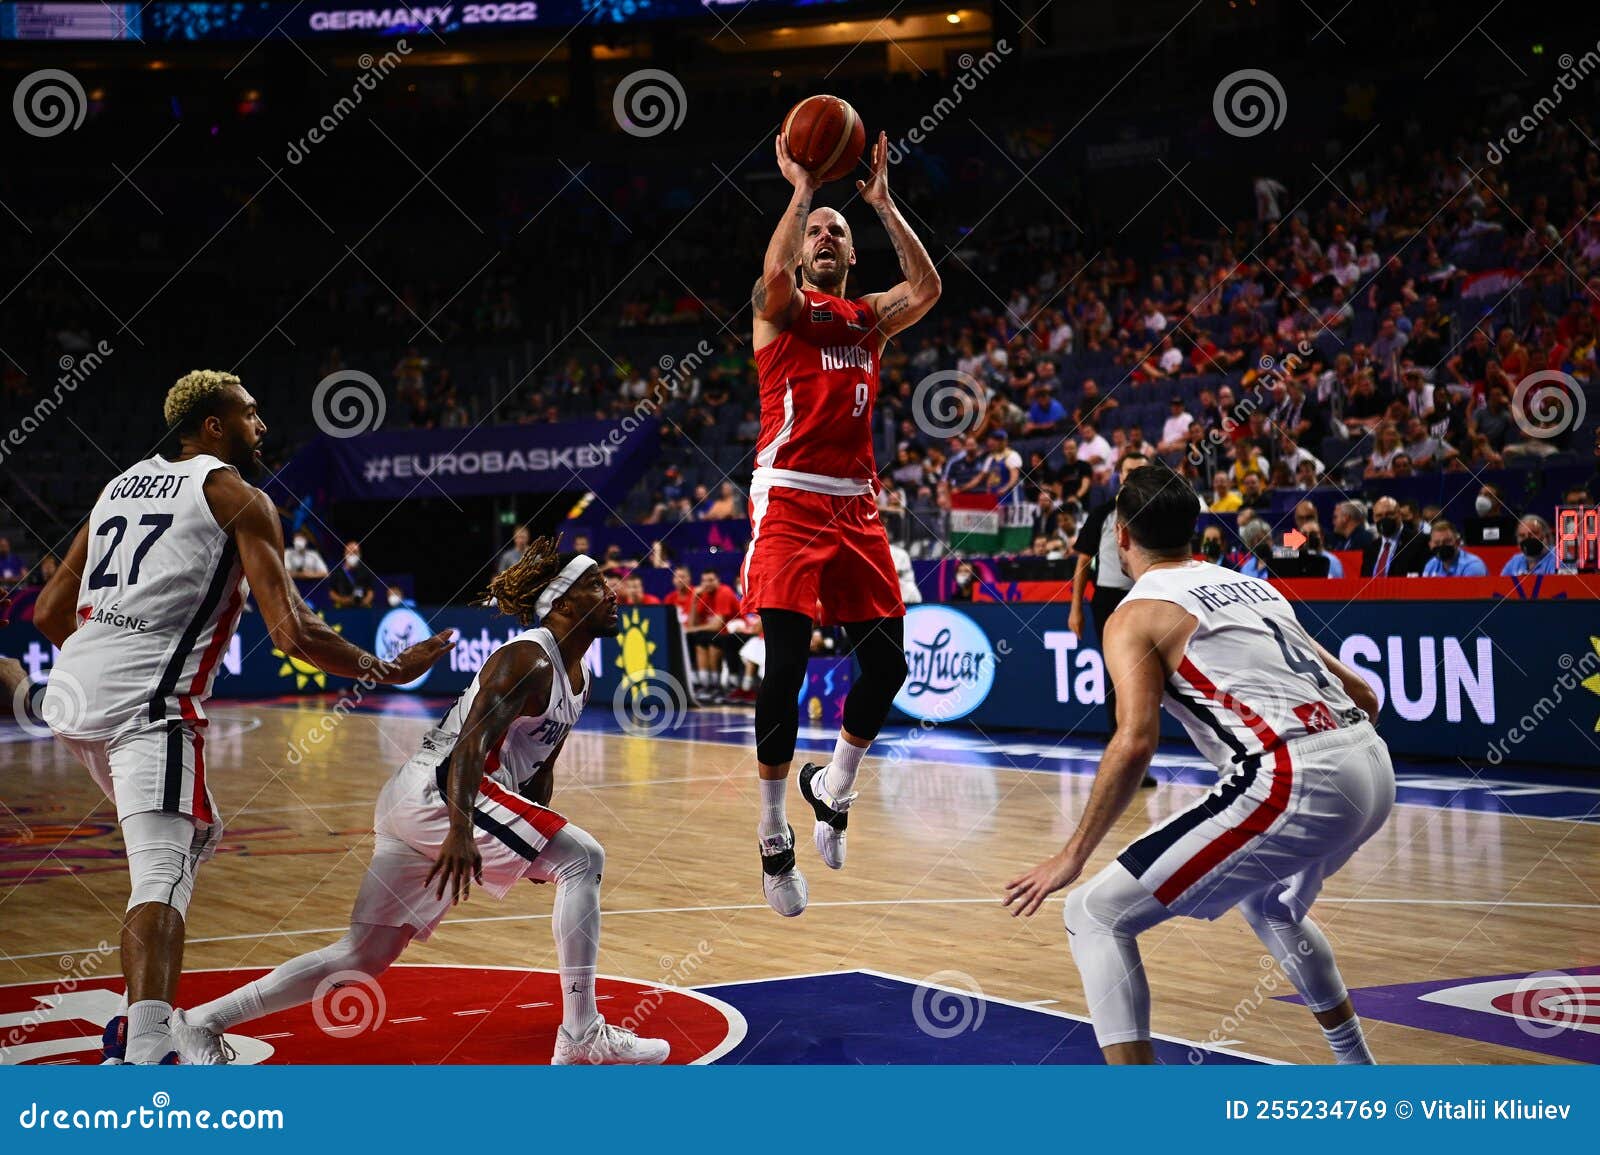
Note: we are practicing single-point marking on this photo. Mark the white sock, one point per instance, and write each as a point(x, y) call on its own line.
point(365, 949)
point(149, 1031)
point(574, 861)
point(840, 776)
point(577, 999)
point(774, 816)
point(1348, 1044)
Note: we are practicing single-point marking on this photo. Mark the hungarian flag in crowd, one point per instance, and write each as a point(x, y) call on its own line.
point(1489, 282)
point(981, 524)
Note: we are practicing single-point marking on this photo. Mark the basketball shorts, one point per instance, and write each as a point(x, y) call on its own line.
point(159, 767)
point(1279, 824)
point(412, 822)
point(807, 548)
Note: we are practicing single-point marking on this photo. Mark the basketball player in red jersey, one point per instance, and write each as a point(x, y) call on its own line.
point(815, 534)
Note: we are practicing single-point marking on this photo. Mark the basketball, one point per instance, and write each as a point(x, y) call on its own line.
point(825, 136)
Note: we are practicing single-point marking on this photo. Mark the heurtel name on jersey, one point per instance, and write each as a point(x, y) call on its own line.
point(1214, 597)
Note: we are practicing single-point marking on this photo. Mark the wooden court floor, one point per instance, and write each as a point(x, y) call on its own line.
point(1439, 893)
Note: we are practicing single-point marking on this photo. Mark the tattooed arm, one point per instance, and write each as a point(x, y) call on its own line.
point(909, 301)
point(776, 295)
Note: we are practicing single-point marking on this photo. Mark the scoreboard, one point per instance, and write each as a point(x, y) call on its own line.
point(1578, 537)
point(164, 22)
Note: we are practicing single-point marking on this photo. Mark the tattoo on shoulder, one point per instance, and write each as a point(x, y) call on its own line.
point(758, 295)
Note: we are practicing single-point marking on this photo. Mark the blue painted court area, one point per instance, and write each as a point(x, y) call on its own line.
point(1562, 795)
point(875, 1019)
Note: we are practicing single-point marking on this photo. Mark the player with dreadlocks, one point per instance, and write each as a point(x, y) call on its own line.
point(473, 806)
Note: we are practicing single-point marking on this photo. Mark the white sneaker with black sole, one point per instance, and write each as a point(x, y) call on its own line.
point(833, 814)
point(781, 880)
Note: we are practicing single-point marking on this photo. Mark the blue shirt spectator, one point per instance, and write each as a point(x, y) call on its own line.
point(1533, 538)
point(1521, 566)
point(1045, 413)
point(1464, 564)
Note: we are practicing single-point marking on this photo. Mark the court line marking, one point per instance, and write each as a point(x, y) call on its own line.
point(1194, 762)
point(649, 910)
point(986, 997)
point(738, 1026)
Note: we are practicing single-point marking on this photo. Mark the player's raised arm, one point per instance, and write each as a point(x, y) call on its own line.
point(250, 518)
point(909, 301)
point(1132, 648)
point(55, 609)
point(513, 680)
point(775, 295)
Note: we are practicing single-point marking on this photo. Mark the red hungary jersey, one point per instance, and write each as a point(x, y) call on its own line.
point(819, 382)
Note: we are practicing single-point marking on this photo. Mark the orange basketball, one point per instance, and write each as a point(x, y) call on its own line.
point(824, 136)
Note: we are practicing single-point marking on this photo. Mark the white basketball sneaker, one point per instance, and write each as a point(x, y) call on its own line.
point(198, 1046)
point(781, 880)
point(603, 1043)
point(833, 814)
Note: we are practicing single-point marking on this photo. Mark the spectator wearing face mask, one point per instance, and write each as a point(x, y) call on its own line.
point(1449, 559)
point(1214, 549)
point(1536, 556)
point(1257, 540)
point(302, 560)
point(1491, 523)
point(395, 597)
point(966, 582)
point(353, 583)
point(1398, 551)
point(1312, 531)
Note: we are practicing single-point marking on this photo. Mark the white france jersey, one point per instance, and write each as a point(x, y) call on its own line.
point(161, 593)
point(1251, 678)
point(530, 739)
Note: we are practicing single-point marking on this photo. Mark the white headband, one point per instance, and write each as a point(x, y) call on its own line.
point(562, 582)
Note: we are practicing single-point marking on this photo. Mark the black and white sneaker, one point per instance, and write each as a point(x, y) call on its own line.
point(781, 880)
point(833, 814)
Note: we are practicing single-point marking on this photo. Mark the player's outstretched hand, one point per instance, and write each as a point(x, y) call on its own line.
point(411, 662)
point(1028, 891)
point(12, 675)
point(875, 189)
point(459, 864)
point(792, 170)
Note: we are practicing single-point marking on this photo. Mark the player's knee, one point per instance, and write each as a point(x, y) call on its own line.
point(372, 949)
point(161, 874)
point(580, 855)
point(1075, 912)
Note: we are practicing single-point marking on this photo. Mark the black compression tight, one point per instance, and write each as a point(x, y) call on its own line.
point(879, 649)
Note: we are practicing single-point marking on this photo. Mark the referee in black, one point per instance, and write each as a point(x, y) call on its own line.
point(1096, 547)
